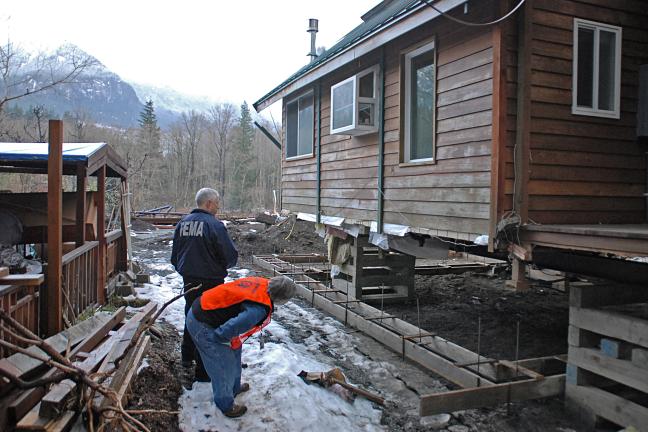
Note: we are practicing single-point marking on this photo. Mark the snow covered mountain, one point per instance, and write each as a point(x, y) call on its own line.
point(106, 98)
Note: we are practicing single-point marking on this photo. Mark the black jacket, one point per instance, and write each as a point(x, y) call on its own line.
point(202, 248)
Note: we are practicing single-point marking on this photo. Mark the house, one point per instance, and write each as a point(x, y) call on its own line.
point(532, 130)
point(416, 120)
point(66, 228)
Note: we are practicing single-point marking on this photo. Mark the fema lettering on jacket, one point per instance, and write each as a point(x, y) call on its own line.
point(191, 228)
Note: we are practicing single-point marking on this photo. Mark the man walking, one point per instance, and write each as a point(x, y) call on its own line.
point(222, 319)
point(202, 252)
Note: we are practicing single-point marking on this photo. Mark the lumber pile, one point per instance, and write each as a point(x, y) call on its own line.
point(106, 351)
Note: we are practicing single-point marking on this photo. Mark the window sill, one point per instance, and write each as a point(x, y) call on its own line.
point(594, 113)
point(415, 164)
point(304, 156)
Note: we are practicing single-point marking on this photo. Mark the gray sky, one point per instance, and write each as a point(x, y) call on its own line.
point(225, 50)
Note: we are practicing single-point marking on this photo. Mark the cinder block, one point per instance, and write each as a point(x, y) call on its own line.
point(143, 278)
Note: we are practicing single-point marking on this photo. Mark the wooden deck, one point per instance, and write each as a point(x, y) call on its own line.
point(626, 240)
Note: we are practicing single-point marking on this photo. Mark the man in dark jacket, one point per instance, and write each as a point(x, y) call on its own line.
point(202, 252)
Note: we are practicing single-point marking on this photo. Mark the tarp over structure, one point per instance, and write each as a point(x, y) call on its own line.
point(32, 157)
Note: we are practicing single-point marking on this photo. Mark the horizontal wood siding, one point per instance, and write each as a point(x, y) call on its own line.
point(584, 169)
point(449, 197)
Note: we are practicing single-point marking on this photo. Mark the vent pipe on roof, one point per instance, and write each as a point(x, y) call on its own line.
point(312, 29)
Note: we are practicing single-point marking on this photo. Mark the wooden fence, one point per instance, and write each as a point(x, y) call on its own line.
point(20, 301)
point(79, 285)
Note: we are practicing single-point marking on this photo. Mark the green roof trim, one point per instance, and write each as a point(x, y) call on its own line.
point(375, 22)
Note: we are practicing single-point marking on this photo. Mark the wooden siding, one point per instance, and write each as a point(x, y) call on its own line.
point(449, 197)
point(584, 169)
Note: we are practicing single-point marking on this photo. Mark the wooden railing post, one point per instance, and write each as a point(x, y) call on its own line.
point(81, 204)
point(101, 235)
point(54, 228)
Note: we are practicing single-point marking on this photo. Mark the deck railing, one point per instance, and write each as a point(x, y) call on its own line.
point(115, 245)
point(21, 303)
point(79, 285)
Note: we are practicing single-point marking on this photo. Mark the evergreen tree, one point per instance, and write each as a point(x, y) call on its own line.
point(244, 175)
point(147, 116)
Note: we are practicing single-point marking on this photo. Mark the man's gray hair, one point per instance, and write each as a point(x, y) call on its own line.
point(206, 194)
point(281, 289)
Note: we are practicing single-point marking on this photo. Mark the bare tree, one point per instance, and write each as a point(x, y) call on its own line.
point(222, 119)
point(22, 74)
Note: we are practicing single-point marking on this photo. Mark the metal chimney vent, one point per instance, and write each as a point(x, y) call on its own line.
point(312, 29)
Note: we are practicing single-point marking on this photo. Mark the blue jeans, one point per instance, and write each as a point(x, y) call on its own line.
point(223, 364)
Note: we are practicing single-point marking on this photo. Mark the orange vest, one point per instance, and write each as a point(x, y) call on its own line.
point(253, 289)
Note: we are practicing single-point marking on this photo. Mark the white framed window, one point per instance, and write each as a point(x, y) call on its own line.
point(596, 89)
point(419, 105)
point(300, 126)
point(354, 103)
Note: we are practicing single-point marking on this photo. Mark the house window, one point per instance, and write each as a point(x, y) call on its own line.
point(419, 104)
point(597, 69)
point(354, 103)
point(299, 126)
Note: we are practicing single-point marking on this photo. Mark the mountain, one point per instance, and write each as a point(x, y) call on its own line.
point(104, 96)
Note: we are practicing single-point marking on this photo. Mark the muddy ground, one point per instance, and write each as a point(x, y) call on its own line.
point(450, 306)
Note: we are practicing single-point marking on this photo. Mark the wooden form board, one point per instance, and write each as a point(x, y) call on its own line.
point(450, 361)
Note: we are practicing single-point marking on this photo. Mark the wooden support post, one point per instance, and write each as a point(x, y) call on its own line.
point(518, 280)
point(82, 177)
point(101, 235)
point(52, 296)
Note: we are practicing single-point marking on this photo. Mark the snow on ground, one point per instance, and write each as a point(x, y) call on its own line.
point(278, 399)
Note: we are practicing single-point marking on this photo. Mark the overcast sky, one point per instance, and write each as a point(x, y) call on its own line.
point(225, 50)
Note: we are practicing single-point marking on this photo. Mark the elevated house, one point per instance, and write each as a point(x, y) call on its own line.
point(531, 131)
point(67, 232)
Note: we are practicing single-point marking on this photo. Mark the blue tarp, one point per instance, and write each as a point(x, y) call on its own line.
point(72, 152)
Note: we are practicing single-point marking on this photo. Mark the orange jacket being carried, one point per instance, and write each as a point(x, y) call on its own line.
point(222, 302)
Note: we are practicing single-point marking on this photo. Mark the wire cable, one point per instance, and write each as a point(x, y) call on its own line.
point(473, 24)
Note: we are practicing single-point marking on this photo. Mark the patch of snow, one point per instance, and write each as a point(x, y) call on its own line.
point(278, 399)
point(144, 365)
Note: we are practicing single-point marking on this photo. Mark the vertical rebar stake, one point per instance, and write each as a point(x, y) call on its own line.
point(478, 348)
point(418, 318)
point(517, 349)
point(382, 301)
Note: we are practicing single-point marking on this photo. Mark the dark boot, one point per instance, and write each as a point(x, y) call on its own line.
point(235, 411)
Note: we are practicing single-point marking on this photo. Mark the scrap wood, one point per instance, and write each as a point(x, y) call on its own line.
point(122, 379)
point(67, 369)
point(336, 376)
point(34, 422)
point(29, 398)
point(4, 271)
point(105, 358)
point(27, 365)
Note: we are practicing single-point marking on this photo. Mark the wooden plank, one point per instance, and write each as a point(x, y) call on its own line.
point(122, 379)
point(4, 271)
point(491, 395)
point(27, 279)
point(33, 422)
point(53, 297)
point(608, 405)
point(627, 328)
point(621, 371)
point(55, 402)
point(125, 336)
